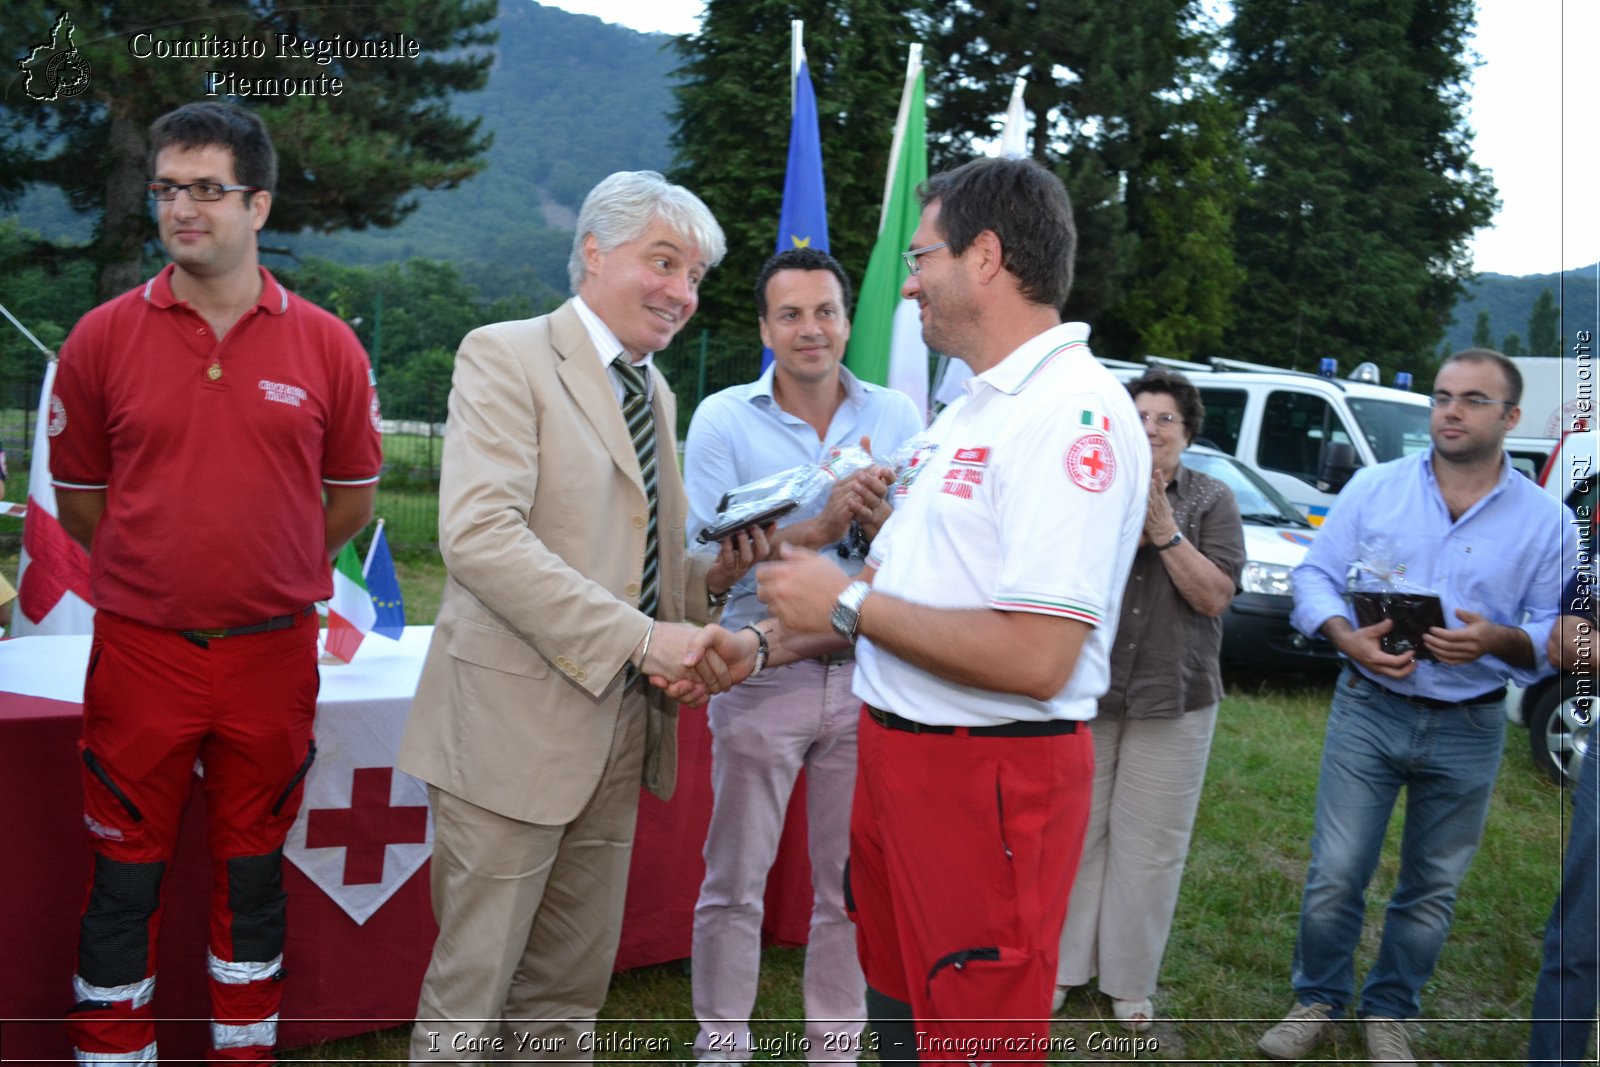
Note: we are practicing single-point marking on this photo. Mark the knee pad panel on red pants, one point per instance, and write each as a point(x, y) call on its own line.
point(114, 940)
point(257, 901)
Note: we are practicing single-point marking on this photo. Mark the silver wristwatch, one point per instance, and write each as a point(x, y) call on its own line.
point(847, 610)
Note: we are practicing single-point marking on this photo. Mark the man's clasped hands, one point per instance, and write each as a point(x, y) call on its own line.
point(798, 587)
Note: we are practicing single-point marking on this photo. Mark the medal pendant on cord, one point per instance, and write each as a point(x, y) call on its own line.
point(214, 371)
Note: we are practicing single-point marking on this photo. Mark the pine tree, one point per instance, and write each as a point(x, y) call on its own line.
point(345, 161)
point(1481, 337)
point(1122, 110)
point(732, 136)
point(1353, 230)
point(1512, 345)
point(1544, 326)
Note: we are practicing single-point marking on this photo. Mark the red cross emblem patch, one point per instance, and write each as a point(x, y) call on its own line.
point(1090, 462)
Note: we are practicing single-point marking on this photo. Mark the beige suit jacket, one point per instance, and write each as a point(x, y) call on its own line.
point(542, 515)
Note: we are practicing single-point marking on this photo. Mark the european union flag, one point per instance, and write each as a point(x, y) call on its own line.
point(384, 587)
point(803, 222)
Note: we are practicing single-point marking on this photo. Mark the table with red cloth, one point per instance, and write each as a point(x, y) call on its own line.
point(345, 977)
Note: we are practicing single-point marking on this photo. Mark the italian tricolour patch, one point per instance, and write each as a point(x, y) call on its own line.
point(1090, 463)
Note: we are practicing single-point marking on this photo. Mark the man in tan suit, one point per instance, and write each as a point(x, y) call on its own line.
point(533, 723)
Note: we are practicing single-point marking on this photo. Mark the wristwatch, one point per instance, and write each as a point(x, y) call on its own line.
point(717, 600)
point(1177, 539)
point(847, 610)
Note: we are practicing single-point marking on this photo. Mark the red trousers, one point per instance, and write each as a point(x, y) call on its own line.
point(962, 854)
point(159, 709)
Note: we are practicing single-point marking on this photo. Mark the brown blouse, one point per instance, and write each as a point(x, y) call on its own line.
point(1167, 656)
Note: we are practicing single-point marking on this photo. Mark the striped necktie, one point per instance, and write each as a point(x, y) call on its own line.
point(642, 429)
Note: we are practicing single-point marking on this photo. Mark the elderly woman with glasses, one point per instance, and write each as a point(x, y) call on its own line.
point(1153, 732)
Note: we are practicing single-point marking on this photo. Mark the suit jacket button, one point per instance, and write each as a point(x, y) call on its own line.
point(638, 522)
point(633, 589)
point(582, 675)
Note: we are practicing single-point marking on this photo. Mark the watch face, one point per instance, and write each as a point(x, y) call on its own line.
point(843, 620)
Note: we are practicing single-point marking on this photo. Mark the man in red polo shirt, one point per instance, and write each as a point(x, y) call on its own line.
point(214, 442)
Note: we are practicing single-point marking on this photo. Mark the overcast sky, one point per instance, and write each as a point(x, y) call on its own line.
point(1538, 62)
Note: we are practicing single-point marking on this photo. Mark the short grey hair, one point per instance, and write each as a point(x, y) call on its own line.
point(622, 207)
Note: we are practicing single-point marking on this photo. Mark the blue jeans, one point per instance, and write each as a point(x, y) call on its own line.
point(1446, 759)
point(1564, 1000)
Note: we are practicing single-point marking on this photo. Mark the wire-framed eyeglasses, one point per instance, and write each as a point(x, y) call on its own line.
point(916, 254)
point(1473, 402)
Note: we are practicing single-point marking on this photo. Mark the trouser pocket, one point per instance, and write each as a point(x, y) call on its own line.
point(299, 776)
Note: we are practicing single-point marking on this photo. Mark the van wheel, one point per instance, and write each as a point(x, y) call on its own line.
point(1561, 728)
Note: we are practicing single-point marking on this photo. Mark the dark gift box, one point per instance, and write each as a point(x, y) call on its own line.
point(1413, 614)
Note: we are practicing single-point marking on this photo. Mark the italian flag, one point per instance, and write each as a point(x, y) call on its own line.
point(350, 611)
point(886, 336)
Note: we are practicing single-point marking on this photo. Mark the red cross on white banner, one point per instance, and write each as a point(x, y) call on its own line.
point(367, 827)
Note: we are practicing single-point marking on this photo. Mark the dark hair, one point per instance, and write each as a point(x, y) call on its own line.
point(1181, 389)
point(1026, 207)
point(255, 161)
point(1489, 355)
point(799, 259)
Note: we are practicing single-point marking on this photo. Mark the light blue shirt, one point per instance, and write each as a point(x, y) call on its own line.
point(1502, 559)
point(741, 434)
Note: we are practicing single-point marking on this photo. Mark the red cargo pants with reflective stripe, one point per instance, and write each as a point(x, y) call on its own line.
point(160, 709)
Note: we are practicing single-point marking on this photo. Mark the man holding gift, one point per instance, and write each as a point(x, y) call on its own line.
point(1459, 521)
point(804, 406)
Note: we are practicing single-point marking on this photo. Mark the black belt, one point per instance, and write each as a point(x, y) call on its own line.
point(1052, 728)
point(833, 659)
point(1432, 703)
point(279, 622)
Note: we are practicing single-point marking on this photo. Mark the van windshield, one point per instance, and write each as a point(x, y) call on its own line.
point(1392, 429)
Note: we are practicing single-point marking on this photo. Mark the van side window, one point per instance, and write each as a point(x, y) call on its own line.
point(1224, 417)
point(1293, 429)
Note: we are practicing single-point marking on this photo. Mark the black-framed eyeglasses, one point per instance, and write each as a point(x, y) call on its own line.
point(204, 192)
point(915, 254)
point(1442, 401)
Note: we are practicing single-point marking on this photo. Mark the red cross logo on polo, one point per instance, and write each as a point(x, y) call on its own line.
point(1090, 463)
point(367, 827)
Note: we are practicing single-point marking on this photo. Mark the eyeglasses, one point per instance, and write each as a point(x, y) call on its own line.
point(1441, 401)
point(915, 254)
point(1164, 420)
point(204, 192)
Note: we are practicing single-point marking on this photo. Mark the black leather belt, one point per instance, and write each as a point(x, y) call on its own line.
point(1432, 703)
point(833, 659)
point(279, 622)
point(1052, 728)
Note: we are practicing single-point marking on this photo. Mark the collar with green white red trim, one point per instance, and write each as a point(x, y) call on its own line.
point(1014, 373)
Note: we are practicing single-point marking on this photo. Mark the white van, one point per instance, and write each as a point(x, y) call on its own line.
point(1305, 433)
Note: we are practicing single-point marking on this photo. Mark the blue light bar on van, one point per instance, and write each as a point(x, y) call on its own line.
point(1402, 379)
point(1328, 367)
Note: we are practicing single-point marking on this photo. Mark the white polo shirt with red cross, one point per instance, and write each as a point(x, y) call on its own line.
point(1029, 496)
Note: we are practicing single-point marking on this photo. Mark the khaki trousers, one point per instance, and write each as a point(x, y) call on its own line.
point(529, 918)
point(1147, 779)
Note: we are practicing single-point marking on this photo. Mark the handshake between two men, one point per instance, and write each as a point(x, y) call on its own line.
point(798, 586)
